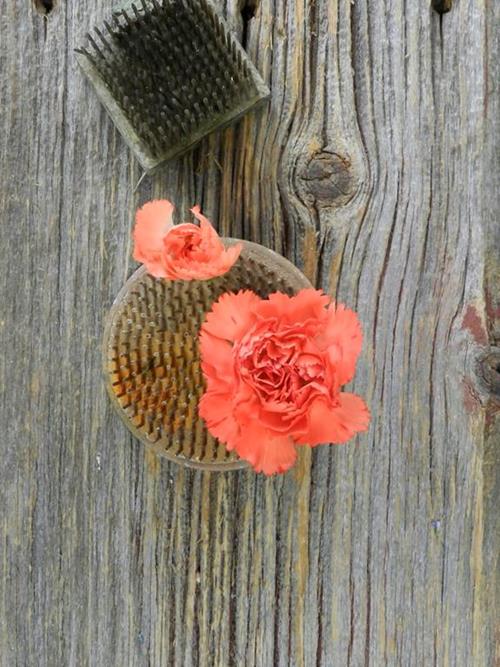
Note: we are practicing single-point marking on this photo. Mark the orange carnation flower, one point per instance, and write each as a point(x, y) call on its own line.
point(179, 252)
point(274, 369)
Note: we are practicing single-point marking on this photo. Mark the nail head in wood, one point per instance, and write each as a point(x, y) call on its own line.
point(44, 7)
point(442, 6)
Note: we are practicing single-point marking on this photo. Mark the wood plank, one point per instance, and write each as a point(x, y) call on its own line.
point(372, 169)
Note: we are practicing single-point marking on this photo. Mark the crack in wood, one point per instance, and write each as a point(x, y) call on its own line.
point(248, 10)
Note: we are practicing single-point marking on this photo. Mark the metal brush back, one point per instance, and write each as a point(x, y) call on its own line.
point(169, 72)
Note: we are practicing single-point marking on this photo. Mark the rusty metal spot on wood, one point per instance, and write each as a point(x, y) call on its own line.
point(442, 6)
point(489, 371)
point(473, 323)
point(328, 179)
point(44, 7)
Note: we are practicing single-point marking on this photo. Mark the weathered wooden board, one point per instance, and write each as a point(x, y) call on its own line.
point(374, 168)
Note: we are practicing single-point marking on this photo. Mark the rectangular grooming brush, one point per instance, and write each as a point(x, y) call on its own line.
point(169, 72)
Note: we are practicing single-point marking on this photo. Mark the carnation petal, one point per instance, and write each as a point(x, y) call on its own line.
point(216, 409)
point(205, 224)
point(336, 425)
point(152, 223)
point(266, 452)
point(226, 256)
point(154, 265)
point(216, 360)
point(307, 304)
point(208, 233)
point(231, 315)
point(231, 255)
point(191, 252)
point(181, 230)
point(344, 339)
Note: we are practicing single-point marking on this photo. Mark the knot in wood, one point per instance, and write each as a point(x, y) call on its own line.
point(327, 179)
point(489, 371)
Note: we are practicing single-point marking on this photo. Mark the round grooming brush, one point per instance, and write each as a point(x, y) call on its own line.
point(169, 72)
point(151, 358)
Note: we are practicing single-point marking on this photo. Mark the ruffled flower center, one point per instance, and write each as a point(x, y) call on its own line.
point(284, 368)
point(184, 244)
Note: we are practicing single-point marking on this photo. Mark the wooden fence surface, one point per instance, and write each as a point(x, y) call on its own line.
point(374, 169)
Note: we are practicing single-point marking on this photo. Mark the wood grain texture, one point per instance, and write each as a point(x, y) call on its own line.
point(373, 168)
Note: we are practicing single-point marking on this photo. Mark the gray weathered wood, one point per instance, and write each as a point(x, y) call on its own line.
point(374, 169)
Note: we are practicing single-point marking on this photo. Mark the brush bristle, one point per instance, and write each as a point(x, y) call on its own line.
point(173, 70)
point(152, 358)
